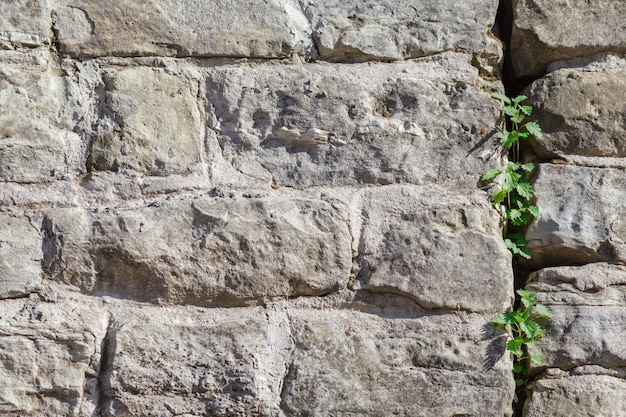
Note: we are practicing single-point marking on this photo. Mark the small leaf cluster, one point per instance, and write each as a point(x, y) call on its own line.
point(525, 330)
point(516, 191)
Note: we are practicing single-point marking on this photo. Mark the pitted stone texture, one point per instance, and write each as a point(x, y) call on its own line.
point(577, 395)
point(25, 23)
point(221, 250)
point(49, 359)
point(195, 362)
point(420, 122)
point(545, 31)
point(20, 256)
point(398, 29)
point(581, 111)
point(233, 28)
point(432, 246)
point(152, 123)
point(348, 363)
point(588, 313)
point(38, 113)
point(582, 216)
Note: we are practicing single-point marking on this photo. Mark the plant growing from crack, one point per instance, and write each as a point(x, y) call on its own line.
point(515, 194)
point(524, 330)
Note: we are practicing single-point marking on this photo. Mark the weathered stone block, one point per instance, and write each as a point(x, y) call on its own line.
point(182, 361)
point(420, 122)
point(252, 28)
point(545, 31)
point(20, 256)
point(203, 251)
point(49, 359)
point(349, 363)
point(152, 125)
point(25, 23)
point(588, 313)
point(577, 395)
point(582, 216)
point(444, 250)
point(581, 110)
point(397, 29)
point(37, 117)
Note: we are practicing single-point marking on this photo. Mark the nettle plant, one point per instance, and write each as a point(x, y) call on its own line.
point(515, 193)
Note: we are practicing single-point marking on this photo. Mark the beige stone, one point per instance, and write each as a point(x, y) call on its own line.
point(20, 256)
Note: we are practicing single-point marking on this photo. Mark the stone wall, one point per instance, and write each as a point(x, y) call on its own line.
point(273, 208)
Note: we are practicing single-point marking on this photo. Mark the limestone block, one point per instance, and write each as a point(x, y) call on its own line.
point(25, 23)
point(588, 313)
point(577, 395)
point(221, 250)
point(233, 28)
point(545, 31)
point(444, 250)
point(349, 363)
point(49, 359)
point(582, 216)
point(419, 122)
point(194, 362)
point(38, 113)
point(20, 256)
point(581, 110)
point(152, 124)
point(397, 29)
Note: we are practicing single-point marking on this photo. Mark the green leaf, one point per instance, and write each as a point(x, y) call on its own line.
point(520, 381)
point(533, 210)
point(524, 253)
point(527, 110)
point(543, 311)
point(537, 358)
point(528, 167)
point(514, 214)
point(491, 174)
point(517, 117)
point(501, 97)
point(529, 295)
point(499, 196)
point(525, 189)
point(517, 100)
point(534, 129)
point(500, 319)
point(517, 368)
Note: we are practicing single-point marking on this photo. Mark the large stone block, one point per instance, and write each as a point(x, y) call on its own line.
point(204, 251)
point(444, 250)
point(581, 110)
point(38, 113)
point(25, 23)
point(20, 256)
point(152, 123)
point(349, 363)
point(582, 216)
point(420, 122)
point(545, 31)
point(588, 313)
point(49, 356)
point(195, 362)
point(231, 28)
point(573, 394)
point(397, 29)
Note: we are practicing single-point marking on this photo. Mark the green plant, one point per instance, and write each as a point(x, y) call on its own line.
point(524, 330)
point(516, 190)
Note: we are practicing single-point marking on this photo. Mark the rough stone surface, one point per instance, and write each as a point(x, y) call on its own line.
point(545, 31)
point(152, 123)
point(41, 147)
point(588, 310)
point(400, 29)
point(25, 23)
point(251, 28)
point(419, 122)
point(220, 250)
point(355, 364)
point(581, 110)
point(578, 395)
point(582, 218)
point(49, 360)
point(204, 362)
point(20, 256)
point(413, 239)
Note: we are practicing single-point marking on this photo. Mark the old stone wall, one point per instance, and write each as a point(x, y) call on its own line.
point(273, 207)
